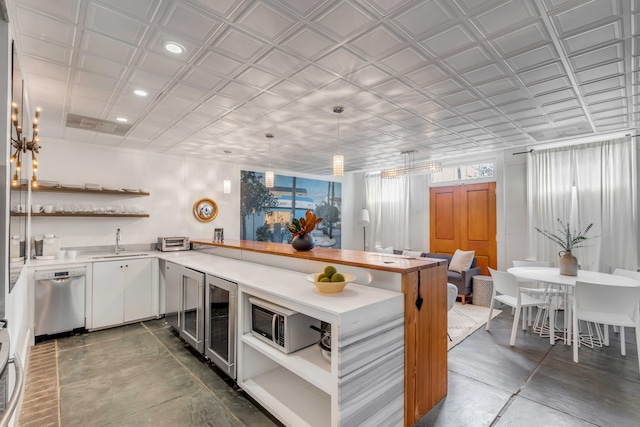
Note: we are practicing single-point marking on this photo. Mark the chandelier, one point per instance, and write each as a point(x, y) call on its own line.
point(22, 145)
point(410, 168)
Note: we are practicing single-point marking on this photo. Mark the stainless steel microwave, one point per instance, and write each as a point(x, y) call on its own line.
point(285, 329)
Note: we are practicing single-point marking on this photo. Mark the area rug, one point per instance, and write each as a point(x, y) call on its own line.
point(465, 320)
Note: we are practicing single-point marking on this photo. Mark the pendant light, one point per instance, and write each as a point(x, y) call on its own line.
point(269, 175)
point(338, 159)
point(227, 181)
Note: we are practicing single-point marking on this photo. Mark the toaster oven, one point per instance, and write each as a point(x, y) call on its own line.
point(167, 244)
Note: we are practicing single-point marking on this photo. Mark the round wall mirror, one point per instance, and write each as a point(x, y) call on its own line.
point(205, 210)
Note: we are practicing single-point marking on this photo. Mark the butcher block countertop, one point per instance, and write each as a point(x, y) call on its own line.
point(372, 260)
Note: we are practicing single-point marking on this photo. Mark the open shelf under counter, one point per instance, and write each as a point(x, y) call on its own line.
point(307, 363)
point(292, 399)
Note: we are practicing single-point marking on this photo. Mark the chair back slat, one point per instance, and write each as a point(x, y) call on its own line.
point(607, 298)
point(504, 283)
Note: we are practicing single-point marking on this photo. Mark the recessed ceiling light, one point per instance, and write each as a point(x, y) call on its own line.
point(140, 92)
point(174, 47)
point(121, 119)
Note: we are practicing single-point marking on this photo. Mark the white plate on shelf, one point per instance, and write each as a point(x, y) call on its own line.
point(48, 183)
point(131, 190)
point(144, 190)
point(71, 186)
point(92, 187)
point(111, 188)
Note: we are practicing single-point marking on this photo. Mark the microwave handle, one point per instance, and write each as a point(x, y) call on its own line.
point(274, 321)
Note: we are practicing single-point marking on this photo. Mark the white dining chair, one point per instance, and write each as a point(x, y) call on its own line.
point(635, 275)
point(452, 294)
point(535, 290)
point(609, 305)
point(507, 291)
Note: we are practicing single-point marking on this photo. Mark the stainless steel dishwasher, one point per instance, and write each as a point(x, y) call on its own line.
point(60, 299)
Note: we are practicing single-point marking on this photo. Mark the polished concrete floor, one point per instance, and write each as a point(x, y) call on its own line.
point(143, 375)
point(536, 384)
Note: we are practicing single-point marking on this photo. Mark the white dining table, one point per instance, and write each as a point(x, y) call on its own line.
point(552, 276)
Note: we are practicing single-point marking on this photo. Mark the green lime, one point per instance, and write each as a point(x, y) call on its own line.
point(320, 276)
point(324, 279)
point(330, 270)
point(338, 277)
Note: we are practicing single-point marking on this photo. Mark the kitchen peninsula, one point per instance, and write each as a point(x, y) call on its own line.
point(421, 280)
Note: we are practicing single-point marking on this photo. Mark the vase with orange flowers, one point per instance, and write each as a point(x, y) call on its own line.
point(301, 231)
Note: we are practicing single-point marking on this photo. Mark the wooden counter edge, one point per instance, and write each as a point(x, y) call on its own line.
point(371, 260)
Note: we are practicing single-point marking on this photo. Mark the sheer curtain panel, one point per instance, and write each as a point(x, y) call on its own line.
point(388, 205)
point(584, 184)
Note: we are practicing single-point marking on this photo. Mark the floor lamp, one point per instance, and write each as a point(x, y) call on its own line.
point(363, 221)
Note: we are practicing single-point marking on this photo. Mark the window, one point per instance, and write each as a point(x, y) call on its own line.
point(464, 172)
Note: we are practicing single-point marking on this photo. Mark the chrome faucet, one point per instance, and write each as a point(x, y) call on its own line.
point(118, 249)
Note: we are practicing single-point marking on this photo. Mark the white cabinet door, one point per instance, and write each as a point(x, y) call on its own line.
point(138, 289)
point(108, 294)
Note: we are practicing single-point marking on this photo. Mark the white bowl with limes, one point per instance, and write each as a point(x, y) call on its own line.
point(330, 287)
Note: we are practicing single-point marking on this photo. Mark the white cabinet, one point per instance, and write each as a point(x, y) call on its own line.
point(108, 294)
point(138, 290)
point(123, 291)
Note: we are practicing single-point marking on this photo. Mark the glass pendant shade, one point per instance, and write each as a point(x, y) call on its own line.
point(226, 184)
point(269, 175)
point(338, 159)
point(269, 178)
point(338, 165)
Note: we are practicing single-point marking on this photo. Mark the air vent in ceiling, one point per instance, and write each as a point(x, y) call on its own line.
point(97, 125)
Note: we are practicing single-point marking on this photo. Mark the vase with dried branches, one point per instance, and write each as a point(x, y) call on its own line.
point(568, 240)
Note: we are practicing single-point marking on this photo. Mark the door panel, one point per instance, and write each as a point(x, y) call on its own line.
point(138, 290)
point(464, 217)
point(443, 211)
point(478, 233)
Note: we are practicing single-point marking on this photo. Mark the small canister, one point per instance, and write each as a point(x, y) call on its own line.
point(218, 235)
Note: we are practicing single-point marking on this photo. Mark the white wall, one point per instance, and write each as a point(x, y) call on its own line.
point(175, 184)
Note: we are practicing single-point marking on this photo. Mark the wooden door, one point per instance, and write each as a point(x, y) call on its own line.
point(464, 217)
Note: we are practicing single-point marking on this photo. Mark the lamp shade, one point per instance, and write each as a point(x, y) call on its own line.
point(227, 186)
point(363, 219)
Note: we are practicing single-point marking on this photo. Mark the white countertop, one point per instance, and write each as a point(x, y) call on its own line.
point(284, 284)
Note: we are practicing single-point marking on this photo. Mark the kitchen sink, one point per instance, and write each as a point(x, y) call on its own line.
point(117, 256)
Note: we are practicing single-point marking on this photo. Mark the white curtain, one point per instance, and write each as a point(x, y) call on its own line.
point(584, 184)
point(388, 205)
